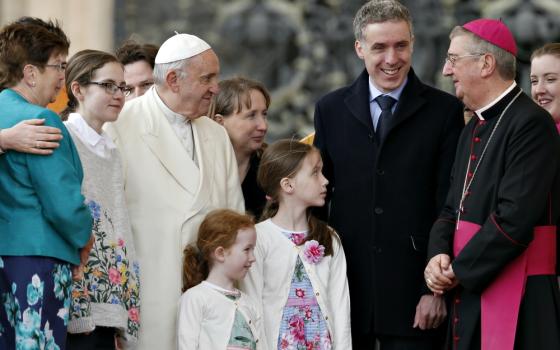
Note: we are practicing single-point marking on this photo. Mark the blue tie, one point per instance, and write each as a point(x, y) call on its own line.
point(386, 104)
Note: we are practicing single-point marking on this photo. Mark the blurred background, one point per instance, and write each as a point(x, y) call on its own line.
point(300, 49)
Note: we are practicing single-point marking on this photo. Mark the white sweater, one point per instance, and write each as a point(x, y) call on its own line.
point(206, 318)
point(269, 281)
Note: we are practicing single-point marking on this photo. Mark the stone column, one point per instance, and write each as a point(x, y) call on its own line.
point(88, 24)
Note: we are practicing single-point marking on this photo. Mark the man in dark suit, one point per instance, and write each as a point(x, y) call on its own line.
point(388, 143)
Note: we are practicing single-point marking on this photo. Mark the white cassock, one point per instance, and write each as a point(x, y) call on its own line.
point(168, 196)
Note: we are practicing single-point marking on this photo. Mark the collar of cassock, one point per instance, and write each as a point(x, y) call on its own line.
point(496, 107)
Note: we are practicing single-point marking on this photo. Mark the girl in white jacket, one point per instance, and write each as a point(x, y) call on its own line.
point(213, 314)
point(299, 275)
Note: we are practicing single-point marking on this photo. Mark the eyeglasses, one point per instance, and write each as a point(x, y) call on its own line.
point(112, 88)
point(452, 59)
point(60, 67)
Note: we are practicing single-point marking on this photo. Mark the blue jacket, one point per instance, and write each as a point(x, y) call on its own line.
point(42, 210)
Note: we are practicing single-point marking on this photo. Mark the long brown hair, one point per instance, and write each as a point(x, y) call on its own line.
point(234, 94)
point(81, 68)
point(283, 159)
point(218, 229)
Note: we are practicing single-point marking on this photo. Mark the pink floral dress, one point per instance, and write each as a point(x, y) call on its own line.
point(303, 326)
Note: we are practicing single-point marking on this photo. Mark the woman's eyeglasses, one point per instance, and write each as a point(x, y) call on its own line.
point(112, 88)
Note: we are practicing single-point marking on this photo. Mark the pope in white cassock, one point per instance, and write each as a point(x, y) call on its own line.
point(178, 166)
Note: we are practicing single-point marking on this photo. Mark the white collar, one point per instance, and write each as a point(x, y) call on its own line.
point(174, 118)
point(488, 106)
point(220, 289)
point(88, 135)
point(374, 92)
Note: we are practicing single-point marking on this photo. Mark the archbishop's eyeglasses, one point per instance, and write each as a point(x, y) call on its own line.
point(452, 59)
point(112, 88)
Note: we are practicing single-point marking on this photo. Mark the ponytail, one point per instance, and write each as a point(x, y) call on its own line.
point(195, 267)
point(70, 107)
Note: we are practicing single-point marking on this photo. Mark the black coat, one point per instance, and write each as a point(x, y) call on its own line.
point(384, 198)
point(515, 188)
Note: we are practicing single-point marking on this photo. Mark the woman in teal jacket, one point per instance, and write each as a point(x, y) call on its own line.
point(43, 220)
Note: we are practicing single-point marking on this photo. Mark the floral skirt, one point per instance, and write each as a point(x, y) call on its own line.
point(35, 299)
point(303, 326)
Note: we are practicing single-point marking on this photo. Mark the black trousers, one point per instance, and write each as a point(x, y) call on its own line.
point(368, 342)
point(102, 338)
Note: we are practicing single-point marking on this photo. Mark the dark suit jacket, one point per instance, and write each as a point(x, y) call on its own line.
point(384, 198)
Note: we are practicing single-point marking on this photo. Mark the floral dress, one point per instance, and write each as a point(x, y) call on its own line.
point(110, 279)
point(241, 337)
point(303, 326)
point(35, 298)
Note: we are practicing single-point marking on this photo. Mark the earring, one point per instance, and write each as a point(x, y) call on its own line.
point(33, 83)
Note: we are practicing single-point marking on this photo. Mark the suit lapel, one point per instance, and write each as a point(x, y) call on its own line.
point(205, 155)
point(357, 101)
point(410, 101)
point(165, 145)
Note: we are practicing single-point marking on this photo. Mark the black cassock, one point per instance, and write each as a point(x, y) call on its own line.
point(515, 188)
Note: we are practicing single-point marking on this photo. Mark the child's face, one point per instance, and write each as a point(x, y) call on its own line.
point(309, 184)
point(239, 257)
point(96, 104)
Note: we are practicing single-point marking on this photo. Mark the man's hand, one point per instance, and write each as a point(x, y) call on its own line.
point(430, 312)
point(30, 136)
point(439, 274)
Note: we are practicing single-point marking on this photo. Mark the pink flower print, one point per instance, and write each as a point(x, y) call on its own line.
point(296, 328)
point(300, 293)
point(308, 314)
point(284, 343)
point(297, 237)
point(133, 314)
point(313, 252)
point(114, 276)
point(121, 242)
point(309, 345)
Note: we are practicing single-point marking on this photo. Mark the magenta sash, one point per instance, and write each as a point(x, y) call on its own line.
point(501, 300)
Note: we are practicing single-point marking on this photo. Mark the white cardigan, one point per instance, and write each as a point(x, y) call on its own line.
point(206, 319)
point(270, 277)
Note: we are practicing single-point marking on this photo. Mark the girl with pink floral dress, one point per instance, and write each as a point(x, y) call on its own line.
point(299, 274)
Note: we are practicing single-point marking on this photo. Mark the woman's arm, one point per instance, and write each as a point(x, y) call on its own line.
point(30, 136)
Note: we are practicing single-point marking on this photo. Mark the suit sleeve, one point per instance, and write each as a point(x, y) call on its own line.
point(453, 126)
point(522, 196)
point(58, 184)
point(320, 142)
point(189, 322)
point(339, 298)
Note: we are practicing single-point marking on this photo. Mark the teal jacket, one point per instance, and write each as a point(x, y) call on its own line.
point(42, 210)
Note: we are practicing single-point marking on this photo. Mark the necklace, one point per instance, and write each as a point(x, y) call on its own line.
point(467, 182)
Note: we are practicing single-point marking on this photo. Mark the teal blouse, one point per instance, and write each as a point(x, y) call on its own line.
point(42, 211)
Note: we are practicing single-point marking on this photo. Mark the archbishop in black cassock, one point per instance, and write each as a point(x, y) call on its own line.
point(505, 180)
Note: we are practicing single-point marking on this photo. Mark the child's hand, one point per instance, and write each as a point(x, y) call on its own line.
point(78, 271)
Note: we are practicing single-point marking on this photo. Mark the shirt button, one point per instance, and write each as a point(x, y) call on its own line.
point(476, 139)
point(378, 210)
point(317, 294)
point(380, 172)
point(473, 157)
point(455, 338)
point(457, 300)
point(326, 318)
point(456, 320)
point(481, 122)
point(469, 174)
